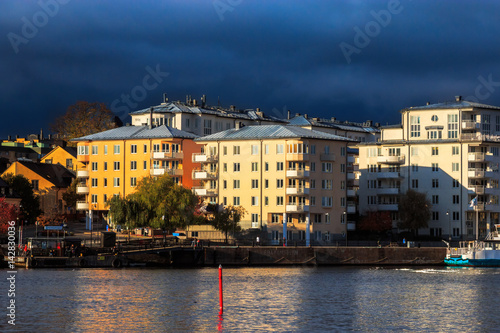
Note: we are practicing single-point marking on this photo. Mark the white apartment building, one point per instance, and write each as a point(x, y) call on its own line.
point(450, 152)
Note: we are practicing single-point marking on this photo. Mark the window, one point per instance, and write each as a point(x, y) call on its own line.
point(326, 167)
point(224, 184)
point(133, 165)
point(343, 150)
point(452, 126)
point(435, 199)
point(266, 166)
point(255, 149)
point(279, 166)
point(414, 126)
point(236, 150)
point(394, 151)
point(266, 183)
point(105, 198)
point(279, 201)
point(275, 218)
point(105, 182)
point(414, 167)
point(94, 166)
point(224, 167)
point(486, 123)
point(326, 184)
point(435, 167)
point(342, 168)
point(145, 165)
point(133, 181)
point(266, 201)
point(116, 166)
point(434, 135)
point(455, 166)
point(342, 184)
point(312, 183)
point(317, 218)
point(83, 150)
point(133, 149)
point(312, 201)
point(313, 149)
point(236, 201)
point(435, 183)
point(342, 201)
point(116, 149)
point(414, 183)
point(326, 201)
point(313, 166)
point(255, 166)
point(145, 149)
point(105, 149)
point(207, 126)
point(456, 183)
point(94, 198)
point(94, 150)
point(456, 216)
point(279, 183)
point(435, 216)
point(236, 167)
point(255, 183)
point(266, 149)
point(414, 151)
point(255, 201)
point(94, 182)
point(116, 182)
point(236, 183)
point(435, 151)
point(456, 199)
point(255, 218)
point(279, 149)
point(48, 161)
point(455, 150)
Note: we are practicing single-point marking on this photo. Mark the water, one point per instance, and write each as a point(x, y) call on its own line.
point(306, 299)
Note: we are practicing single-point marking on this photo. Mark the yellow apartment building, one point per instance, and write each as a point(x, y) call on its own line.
point(65, 156)
point(290, 180)
point(114, 161)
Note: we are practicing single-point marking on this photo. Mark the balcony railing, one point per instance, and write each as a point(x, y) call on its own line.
point(297, 190)
point(297, 157)
point(204, 158)
point(470, 125)
point(82, 205)
point(197, 174)
point(171, 172)
point(391, 159)
point(388, 190)
point(205, 192)
point(172, 155)
point(297, 208)
point(297, 173)
point(82, 173)
point(82, 189)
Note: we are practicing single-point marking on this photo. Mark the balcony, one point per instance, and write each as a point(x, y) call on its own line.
point(351, 192)
point(297, 208)
point(171, 172)
point(297, 190)
point(83, 158)
point(297, 157)
point(351, 208)
point(387, 207)
point(197, 174)
point(388, 191)
point(351, 159)
point(327, 157)
point(203, 158)
point(389, 175)
point(205, 192)
point(168, 155)
point(477, 173)
point(470, 125)
point(351, 176)
point(351, 226)
point(479, 157)
point(477, 189)
point(301, 173)
point(82, 205)
point(82, 189)
point(391, 159)
point(82, 173)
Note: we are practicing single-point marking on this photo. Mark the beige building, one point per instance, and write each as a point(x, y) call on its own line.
point(278, 174)
point(450, 151)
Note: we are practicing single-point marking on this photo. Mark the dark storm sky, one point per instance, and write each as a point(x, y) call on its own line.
point(353, 60)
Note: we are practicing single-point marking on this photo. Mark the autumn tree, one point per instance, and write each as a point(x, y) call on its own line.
point(414, 211)
point(8, 212)
point(84, 118)
point(30, 202)
point(226, 219)
point(378, 222)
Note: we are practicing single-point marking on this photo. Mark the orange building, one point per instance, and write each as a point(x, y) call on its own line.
point(65, 156)
point(115, 160)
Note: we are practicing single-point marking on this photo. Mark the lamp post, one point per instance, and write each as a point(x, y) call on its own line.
point(449, 227)
point(345, 221)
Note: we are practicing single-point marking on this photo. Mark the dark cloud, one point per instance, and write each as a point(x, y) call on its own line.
point(275, 55)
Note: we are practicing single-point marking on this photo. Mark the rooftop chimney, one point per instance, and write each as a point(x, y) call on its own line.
point(165, 98)
point(288, 115)
point(203, 101)
point(458, 98)
point(150, 117)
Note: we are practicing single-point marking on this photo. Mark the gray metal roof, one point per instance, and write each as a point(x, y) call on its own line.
point(346, 126)
point(271, 132)
point(451, 105)
point(138, 132)
point(178, 107)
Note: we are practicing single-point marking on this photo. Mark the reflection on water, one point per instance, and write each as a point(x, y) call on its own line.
point(256, 300)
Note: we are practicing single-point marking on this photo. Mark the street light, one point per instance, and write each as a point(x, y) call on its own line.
point(345, 221)
point(449, 226)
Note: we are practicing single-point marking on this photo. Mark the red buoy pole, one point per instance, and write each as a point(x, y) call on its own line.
point(220, 290)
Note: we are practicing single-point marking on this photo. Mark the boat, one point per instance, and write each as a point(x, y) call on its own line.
point(485, 253)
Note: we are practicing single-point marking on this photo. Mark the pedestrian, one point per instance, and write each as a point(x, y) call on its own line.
point(258, 241)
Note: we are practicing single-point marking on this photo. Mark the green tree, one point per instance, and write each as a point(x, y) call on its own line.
point(71, 197)
point(414, 211)
point(30, 202)
point(226, 219)
point(127, 212)
point(84, 118)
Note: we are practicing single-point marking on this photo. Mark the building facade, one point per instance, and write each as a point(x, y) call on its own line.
point(291, 181)
point(450, 152)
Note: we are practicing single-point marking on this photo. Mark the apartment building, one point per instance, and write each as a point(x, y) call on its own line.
point(198, 118)
point(450, 152)
point(114, 161)
point(65, 156)
point(290, 180)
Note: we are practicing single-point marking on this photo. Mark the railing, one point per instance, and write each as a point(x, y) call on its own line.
point(204, 158)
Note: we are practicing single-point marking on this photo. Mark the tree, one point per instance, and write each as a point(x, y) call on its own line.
point(30, 202)
point(8, 213)
point(83, 118)
point(414, 211)
point(71, 197)
point(226, 219)
point(378, 222)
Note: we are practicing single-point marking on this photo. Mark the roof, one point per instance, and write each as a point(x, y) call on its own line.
point(460, 104)
point(178, 107)
point(54, 173)
point(70, 150)
point(138, 132)
point(345, 126)
point(271, 132)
